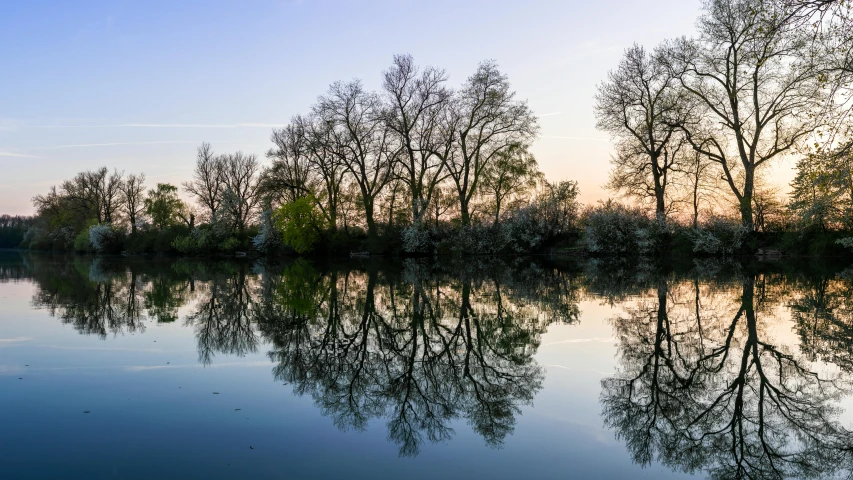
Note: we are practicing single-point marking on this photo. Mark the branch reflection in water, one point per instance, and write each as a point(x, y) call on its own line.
point(414, 345)
point(735, 371)
point(708, 381)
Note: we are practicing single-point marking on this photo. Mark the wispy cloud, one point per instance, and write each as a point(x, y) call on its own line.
point(170, 125)
point(16, 154)
point(113, 144)
point(15, 339)
point(550, 114)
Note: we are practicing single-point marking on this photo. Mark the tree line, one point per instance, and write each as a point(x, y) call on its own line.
point(417, 166)
point(422, 167)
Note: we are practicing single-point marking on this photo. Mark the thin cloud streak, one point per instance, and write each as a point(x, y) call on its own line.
point(82, 145)
point(551, 114)
point(19, 155)
point(170, 125)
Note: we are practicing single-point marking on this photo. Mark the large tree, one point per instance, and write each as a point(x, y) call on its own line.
point(641, 105)
point(240, 196)
point(360, 138)
point(415, 101)
point(759, 84)
point(208, 183)
point(133, 198)
point(485, 120)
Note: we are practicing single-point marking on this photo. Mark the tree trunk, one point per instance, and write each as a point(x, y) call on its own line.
point(746, 200)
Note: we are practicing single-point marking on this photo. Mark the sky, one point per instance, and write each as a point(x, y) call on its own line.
point(137, 86)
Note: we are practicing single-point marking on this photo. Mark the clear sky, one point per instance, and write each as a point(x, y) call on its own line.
point(138, 85)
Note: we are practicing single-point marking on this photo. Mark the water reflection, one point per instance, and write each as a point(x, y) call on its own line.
point(702, 383)
point(723, 369)
point(416, 346)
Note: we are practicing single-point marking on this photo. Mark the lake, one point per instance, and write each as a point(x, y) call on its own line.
point(498, 368)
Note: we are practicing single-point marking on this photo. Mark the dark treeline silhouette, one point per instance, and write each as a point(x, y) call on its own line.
point(422, 166)
point(13, 229)
point(418, 167)
point(702, 382)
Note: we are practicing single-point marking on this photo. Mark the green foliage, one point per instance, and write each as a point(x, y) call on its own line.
point(82, 243)
point(163, 206)
point(230, 245)
point(299, 223)
point(822, 190)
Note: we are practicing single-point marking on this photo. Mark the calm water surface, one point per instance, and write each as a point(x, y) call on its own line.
point(162, 368)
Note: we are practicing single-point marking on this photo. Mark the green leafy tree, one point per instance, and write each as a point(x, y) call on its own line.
point(164, 207)
point(298, 222)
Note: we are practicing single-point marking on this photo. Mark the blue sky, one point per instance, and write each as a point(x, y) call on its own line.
point(138, 85)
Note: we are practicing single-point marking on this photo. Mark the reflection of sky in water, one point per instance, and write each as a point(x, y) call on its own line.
point(154, 413)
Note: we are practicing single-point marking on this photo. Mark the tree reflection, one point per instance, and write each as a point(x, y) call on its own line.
point(712, 391)
point(416, 349)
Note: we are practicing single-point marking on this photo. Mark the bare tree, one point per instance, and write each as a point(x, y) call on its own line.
point(415, 102)
point(289, 176)
point(325, 163)
point(485, 120)
point(360, 139)
point(208, 183)
point(133, 198)
point(642, 105)
point(759, 85)
point(240, 195)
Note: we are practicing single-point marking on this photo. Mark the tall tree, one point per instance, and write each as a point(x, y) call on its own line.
point(164, 207)
point(642, 105)
point(760, 86)
point(485, 119)
point(241, 194)
point(416, 99)
point(289, 176)
point(361, 140)
point(132, 192)
point(208, 183)
point(511, 173)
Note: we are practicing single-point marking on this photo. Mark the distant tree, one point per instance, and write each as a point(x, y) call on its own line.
point(290, 176)
point(208, 183)
point(240, 197)
point(512, 172)
point(642, 106)
point(164, 207)
point(822, 190)
point(133, 198)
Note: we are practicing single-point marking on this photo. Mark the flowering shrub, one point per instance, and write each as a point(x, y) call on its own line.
point(719, 236)
point(268, 238)
point(105, 238)
point(416, 239)
point(616, 229)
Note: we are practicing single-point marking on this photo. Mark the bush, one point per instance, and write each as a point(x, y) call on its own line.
point(230, 245)
point(416, 239)
point(105, 238)
point(268, 239)
point(82, 243)
point(719, 236)
point(612, 228)
point(298, 223)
